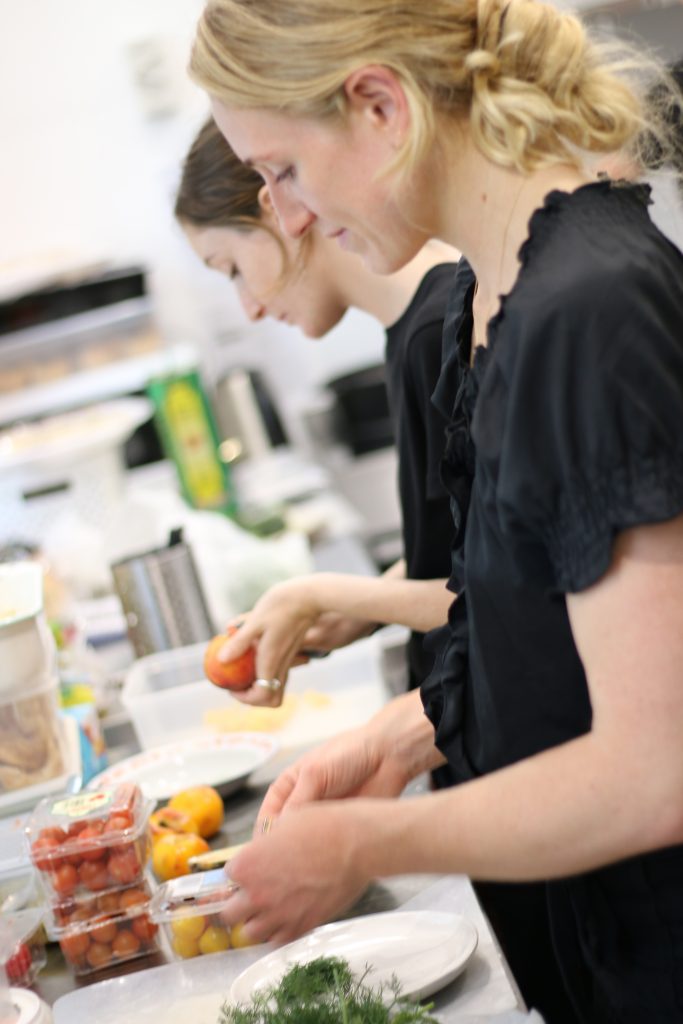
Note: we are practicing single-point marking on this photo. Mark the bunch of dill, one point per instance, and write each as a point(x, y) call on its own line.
point(324, 991)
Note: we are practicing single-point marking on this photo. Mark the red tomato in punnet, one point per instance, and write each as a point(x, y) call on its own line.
point(238, 674)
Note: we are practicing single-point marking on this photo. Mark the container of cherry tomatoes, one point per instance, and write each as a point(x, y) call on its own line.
point(22, 946)
point(189, 910)
point(103, 930)
point(91, 842)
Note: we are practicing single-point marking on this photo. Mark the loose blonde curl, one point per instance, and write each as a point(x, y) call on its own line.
point(534, 88)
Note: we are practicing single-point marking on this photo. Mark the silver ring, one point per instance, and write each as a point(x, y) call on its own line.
point(269, 684)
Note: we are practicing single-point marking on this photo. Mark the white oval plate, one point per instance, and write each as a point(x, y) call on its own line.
point(224, 762)
point(423, 949)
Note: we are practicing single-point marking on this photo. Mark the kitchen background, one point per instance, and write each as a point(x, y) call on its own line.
point(103, 305)
point(97, 115)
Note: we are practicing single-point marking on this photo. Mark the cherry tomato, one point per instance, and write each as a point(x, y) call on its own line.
point(19, 965)
point(184, 947)
point(108, 903)
point(98, 954)
point(125, 943)
point(74, 946)
point(189, 927)
point(131, 898)
point(94, 875)
point(76, 827)
point(119, 821)
point(65, 879)
point(144, 928)
point(124, 867)
point(44, 853)
point(53, 832)
point(214, 940)
point(104, 932)
point(89, 844)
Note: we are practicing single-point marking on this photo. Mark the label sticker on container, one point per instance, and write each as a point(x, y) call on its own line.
point(83, 804)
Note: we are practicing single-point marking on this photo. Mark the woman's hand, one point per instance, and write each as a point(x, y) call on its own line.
point(276, 626)
point(376, 760)
point(307, 870)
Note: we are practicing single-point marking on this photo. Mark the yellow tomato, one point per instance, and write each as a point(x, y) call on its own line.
point(214, 940)
point(172, 852)
point(184, 947)
point(238, 939)
point(204, 805)
point(188, 927)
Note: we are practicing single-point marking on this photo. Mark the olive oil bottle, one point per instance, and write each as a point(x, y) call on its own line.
point(188, 433)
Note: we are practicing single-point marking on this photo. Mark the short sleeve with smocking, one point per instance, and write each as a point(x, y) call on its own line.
point(579, 424)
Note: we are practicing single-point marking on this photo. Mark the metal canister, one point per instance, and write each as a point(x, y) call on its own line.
point(162, 598)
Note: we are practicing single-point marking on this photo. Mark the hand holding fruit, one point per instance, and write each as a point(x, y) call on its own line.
point(238, 674)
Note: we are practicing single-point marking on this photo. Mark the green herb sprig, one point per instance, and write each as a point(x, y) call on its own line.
point(324, 991)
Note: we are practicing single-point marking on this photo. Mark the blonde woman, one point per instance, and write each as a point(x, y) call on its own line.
point(226, 214)
point(557, 696)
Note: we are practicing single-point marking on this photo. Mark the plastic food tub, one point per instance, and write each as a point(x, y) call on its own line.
point(168, 697)
point(89, 843)
point(188, 909)
point(22, 946)
point(102, 931)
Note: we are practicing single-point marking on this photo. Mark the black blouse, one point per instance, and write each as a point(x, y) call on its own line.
point(413, 358)
point(567, 429)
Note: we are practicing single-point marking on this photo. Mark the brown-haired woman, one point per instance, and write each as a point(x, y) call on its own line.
point(226, 213)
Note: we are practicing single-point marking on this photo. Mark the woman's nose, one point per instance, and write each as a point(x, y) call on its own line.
point(294, 216)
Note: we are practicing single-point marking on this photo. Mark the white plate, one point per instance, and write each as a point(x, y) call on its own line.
point(224, 762)
point(423, 949)
point(14, 801)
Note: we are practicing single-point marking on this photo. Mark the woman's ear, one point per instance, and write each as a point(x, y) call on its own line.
point(375, 93)
point(266, 203)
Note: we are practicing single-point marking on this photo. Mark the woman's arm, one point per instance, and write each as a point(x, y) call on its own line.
point(610, 794)
point(332, 630)
point(280, 621)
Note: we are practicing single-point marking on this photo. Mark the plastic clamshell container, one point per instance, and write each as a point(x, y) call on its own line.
point(105, 930)
point(90, 843)
point(189, 908)
point(22, 946)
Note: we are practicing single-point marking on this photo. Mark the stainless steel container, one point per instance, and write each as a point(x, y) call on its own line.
point(162, 598)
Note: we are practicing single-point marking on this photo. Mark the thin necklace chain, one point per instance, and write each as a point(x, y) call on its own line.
point(503, 250)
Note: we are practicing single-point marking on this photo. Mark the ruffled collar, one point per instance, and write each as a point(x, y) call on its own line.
point(543, 220)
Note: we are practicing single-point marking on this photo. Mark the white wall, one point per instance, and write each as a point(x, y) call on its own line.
point(86, 173)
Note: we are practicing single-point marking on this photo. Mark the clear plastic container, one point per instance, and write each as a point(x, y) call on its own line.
point(18, 888)
point(188, 909)
point(90, 843)
point(102, 931)
point(22, 946)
